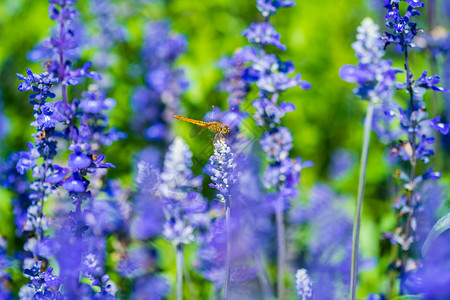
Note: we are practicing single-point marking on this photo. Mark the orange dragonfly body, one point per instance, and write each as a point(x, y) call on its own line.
point(214, 126)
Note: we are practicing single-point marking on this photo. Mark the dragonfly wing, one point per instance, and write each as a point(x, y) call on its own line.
point(196, 131)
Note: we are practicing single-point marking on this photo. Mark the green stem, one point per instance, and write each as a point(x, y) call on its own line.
point(263, 278)
point(362, 179)
point(281, 248)
point(179, 258)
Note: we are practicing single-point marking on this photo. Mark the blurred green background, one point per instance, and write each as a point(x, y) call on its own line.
point(318, 36)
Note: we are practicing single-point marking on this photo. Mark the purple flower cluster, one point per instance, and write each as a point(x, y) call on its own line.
point(4, 124)
point(403, 30)
point(84, 123)
point(414, 144)
point(375, 76)
point(155, 103)
point(179, 190)
point(222, 168)
point(5, 262)
point(329, 262)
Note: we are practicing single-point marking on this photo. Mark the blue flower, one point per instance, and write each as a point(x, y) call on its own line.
point(74, 184)
point(39, 84)
point(270, 7)
point(277, 143)
point(78, 160)
point(429, 82)
point(436, 124)
point(95, 102)
point(285, 176)
point(45, 119)
point(374, 76)
point(263, 34)
point(268, 113)
point(27, 159)
point(404, 31)
point(155, 104)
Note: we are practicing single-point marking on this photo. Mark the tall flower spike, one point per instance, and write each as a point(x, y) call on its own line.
point(182, 202)
point(374, 75)
point(223, 177)
point(413, 145)
point(222, 170)
point(375, 79)
point(273, 76)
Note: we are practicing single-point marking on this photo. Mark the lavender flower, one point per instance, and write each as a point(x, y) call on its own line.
point(263, 34)
point(270, 7)
point(4, 277)
point(223, 176)
point(329, 259)
point(235, 68)
point(374, 76)
point(416, 139)
point(148, 219)
point(403, 31)
point(178, 189)
point(303, 284)
point(4, 123)
point(155, 104)
point(109, 32)
point(222, 170)
point(56, 120)
point(147, 223)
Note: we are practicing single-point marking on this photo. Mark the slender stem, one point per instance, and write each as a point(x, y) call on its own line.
point(281, 248)
point(263, 278)
point(61, 57)
point(362, 179)
point(228, 259)
point(179, 258)
point(413, 162)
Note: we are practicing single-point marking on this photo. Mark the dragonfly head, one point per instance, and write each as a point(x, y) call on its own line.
point(225, 129)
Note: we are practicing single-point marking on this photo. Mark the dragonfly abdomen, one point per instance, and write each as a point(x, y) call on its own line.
point(192, 121)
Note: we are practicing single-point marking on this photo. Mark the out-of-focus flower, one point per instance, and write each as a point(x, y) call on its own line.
point(303, 284)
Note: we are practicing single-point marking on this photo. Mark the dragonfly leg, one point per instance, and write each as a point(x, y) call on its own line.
point(214, 140)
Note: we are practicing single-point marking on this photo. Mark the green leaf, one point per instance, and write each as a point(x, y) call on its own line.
point(441, 225)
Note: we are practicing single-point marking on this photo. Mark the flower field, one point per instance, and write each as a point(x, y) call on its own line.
point(261, 149)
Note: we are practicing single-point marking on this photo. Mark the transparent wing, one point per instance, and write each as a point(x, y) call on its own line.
point(196, 131)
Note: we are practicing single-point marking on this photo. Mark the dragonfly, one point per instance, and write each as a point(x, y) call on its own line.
point(220, 129)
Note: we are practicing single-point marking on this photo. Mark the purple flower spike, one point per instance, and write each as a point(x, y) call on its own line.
point(222, 170)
